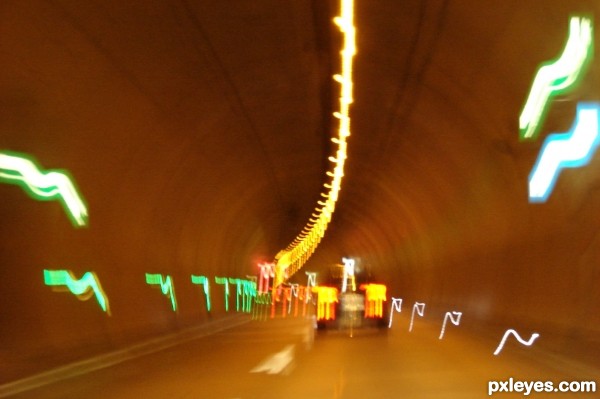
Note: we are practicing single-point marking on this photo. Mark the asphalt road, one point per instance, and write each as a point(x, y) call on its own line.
point(281, 358)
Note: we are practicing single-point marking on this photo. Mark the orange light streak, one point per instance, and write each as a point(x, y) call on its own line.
point(327, 297)
point(375, 295)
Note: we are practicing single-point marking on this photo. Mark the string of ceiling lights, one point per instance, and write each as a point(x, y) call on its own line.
point(292, 258)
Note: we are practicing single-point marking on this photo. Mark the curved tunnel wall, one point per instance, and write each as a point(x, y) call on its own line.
point(172, 149)
point(441, 179)
point(197, 134)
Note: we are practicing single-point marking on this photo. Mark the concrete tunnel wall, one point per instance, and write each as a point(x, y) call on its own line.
point(198, 136)
point(174, 173)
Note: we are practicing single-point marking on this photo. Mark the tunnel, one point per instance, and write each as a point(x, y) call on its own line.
point(195, 138)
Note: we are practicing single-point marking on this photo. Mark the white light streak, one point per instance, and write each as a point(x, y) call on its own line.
point(510, 331)
point(397, 306)
point(420, 308)
point(454, 319)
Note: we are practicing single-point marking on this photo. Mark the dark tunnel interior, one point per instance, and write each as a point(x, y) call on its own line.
point(197, 133)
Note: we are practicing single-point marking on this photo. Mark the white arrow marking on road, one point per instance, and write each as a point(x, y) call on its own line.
point(276, 363)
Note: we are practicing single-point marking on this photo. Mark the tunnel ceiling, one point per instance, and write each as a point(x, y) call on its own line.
point(198, 132)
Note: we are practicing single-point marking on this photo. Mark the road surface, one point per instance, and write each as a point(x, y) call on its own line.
point(281, 358)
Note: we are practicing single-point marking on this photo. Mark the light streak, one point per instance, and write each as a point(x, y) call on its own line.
point(375, 295)
point(295, 290)
point(311, 280)
point(247, 290)
point(83, 288)
point(287, 298)
point(275, 295)
point(206, 283)
point(348, 274)
point(166, 286)
point(327, 297)
point(304, 294)
point(224, 281)
point(397, 306)
point(49, 185)
point(565, 150)
point(557, 76)
point(508, 332)
point(249, 293)
point(420, 308)
point(263, 299)
point(261, 302)
point(267, 270)
point(454, 319)
point(292, 258)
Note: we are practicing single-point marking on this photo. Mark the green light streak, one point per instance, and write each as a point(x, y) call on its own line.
point(247, 289)
point(558, 76)
point(45, 186)
point(206, 282)
point(224, 281)
point(263, 299)
point(166, 286)
point(83, 288)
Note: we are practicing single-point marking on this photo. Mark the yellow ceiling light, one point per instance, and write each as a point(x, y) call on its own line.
point(291, 259)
